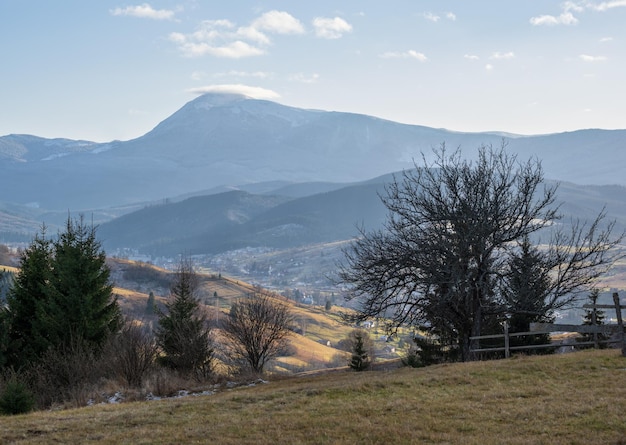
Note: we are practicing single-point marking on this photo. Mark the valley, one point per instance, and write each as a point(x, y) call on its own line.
point(269, 194)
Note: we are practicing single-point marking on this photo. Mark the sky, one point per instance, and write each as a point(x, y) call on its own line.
point(112, 70)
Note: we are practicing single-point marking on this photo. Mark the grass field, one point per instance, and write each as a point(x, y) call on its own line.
point(575, 398)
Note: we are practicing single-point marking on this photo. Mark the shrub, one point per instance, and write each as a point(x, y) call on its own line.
point(66, 374)
point(132, 353)
point(428, 351)
point(16, 398)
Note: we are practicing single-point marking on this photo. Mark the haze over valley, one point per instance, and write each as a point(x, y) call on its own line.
point(265, 191)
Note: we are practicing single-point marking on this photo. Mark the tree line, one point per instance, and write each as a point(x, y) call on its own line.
point(62, 329)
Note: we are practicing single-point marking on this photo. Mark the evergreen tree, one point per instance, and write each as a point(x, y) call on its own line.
point(526, 286)
point(61, 297)
point(4, 336)
point(150, 305)
point(362, 350)
point(599, 320)
point(6, 281)
point(183, 333)
point(78, 304)
point(27, 292)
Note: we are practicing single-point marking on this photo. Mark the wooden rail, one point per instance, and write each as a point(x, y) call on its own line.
point(547, 328)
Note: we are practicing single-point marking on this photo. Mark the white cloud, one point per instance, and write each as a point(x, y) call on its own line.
point(255, 74)
point(502, 56)
point(604, 6)
point(572, 6)
point(278, 22)
point(411, 54)
point(246, 90)
point(566, 18)
point(202, 75)
point(144, 11)
point(303, 78)
point(432, 17)
point(588, 58)
point(489, 67)
point(232, 50)
point(252, 34)
point(471, 57)
point(222, 38)
point(331, 28)
point(606, 39)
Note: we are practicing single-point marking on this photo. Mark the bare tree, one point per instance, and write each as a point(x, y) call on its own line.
point(258, 329)
point(132, 352)
point(452, 229)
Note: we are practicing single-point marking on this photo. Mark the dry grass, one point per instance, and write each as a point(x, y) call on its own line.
point(567, 399)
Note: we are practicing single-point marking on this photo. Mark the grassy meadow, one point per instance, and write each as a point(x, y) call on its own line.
point(577, 398)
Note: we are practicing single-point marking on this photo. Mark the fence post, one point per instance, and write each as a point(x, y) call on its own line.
point(507, 351)
point(594, 323)
point(620, 323)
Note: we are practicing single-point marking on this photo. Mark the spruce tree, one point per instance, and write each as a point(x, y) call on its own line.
point(362, 350)
point(26, 293)
point(599, 320)
point(525, 287)
point(61, 297)
point(78, 304)
point(6, 281)
point(150, 305)
point(183, 333)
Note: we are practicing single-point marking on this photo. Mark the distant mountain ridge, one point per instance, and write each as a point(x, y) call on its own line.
point(226, 140)
point(316, 213)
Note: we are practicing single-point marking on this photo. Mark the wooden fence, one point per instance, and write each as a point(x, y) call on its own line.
point(547, 328)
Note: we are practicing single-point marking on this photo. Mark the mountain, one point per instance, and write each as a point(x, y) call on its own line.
point(228, 140)
point(237, 219)
point(177, 227)
point(234, 220)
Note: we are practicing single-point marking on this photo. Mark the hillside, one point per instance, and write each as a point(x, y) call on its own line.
point(331, 212)
point(279, 241)
point(316, 328)
point(562, 399)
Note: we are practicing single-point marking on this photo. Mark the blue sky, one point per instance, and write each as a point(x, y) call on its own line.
point(104, 70)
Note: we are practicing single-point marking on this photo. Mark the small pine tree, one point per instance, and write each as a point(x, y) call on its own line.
point(16, 398)
point(588, 321)
point(183, 333)
point(362, 350)
point(150, 304)
point(328, 306)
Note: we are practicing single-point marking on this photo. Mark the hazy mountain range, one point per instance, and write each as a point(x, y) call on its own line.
point(226, 171)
